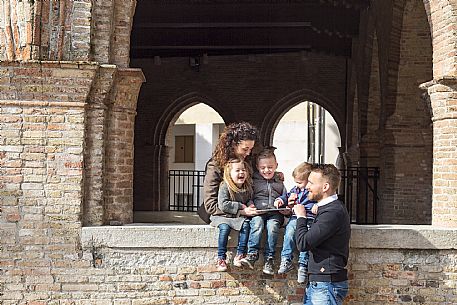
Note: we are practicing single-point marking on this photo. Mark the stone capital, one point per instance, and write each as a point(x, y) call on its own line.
point(442, 97)
point(126, 88)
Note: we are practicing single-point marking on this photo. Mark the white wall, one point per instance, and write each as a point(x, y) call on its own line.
point(203, 144)
point(332, 139)
point(291, 137)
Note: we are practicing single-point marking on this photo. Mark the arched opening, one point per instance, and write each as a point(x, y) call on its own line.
point(189, 142)
point(306, 132)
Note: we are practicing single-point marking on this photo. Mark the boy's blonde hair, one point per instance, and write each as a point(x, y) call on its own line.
point(302, 171)
point(232, 187)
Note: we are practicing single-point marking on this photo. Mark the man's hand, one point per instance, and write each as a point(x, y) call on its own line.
point(314, 208)
point(299, 210)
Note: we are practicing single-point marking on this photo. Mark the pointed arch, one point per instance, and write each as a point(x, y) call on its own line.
point(180, 105)
point(151, 181)
point(284, 104)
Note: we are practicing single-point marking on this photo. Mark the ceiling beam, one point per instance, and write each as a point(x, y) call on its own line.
point(202, 25)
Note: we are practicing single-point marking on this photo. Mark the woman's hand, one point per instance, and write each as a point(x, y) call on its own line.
point(249, 211)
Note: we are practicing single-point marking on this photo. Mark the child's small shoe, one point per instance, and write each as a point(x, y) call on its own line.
point(221, 264)
point(268, 267)
point(250, 260)
point(286, 266)
point(302, 275)
point(237, 260)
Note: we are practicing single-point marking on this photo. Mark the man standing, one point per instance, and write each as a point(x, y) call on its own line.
point(327, 239)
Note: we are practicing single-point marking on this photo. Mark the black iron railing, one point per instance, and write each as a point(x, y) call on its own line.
point(185, 189)
point(358, 190)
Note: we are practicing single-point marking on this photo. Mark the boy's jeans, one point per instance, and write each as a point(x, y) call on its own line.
point(273, 222)
point(224, 232)
point(326, 293)
point(289, 245)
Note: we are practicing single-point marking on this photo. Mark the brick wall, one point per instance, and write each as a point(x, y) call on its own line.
point(175, 265)
point(393, 128)
point(239, 87)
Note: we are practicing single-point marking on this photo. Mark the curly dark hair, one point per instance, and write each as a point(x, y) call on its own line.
point(232, 135)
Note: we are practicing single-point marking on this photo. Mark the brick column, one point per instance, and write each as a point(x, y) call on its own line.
point(119, 149)
point(443, 96)
point(94, 152)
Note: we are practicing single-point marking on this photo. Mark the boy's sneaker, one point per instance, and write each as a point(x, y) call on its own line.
point(237, 260)
point(286, 266)
point(221, 265)
point(302, 275)
point(268, 267)
point(250, 260)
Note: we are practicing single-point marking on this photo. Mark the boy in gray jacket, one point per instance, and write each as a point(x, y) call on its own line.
point(267, 187)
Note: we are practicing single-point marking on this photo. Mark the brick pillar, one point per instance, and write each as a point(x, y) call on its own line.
point(119, 149)
point(94, 152)
point(443, 95)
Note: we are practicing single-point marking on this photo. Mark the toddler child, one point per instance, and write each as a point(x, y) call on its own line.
point(297, 195)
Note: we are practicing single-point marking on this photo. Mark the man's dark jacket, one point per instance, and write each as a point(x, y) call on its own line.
point(328, 242)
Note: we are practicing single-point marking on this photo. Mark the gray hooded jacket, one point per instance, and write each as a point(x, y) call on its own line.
point(267, 190)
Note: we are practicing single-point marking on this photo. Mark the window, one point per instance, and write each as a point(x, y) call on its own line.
point(184, 149)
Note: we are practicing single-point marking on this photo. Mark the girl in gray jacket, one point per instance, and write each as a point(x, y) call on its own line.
point(233, 205)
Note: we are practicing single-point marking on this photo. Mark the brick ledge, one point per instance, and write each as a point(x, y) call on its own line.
point(203, 236)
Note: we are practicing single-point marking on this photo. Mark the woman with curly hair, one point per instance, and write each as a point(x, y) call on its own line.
point(236, 141)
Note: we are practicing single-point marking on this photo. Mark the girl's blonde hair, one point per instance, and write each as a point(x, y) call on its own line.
point(233, 188)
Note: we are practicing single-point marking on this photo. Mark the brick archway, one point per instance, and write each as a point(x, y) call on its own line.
point(180, 105)
point(283, 105)
point(155, 185)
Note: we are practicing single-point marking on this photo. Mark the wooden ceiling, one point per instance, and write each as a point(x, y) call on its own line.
point(222, 27)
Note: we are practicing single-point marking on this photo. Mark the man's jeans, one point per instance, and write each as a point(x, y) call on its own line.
point(273, 223)
point(289, 246)
point(326, 293)
point(224, 232)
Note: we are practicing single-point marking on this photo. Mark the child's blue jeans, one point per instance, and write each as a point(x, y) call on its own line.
point(224, 232)
point(273, 222)
point(289, 246)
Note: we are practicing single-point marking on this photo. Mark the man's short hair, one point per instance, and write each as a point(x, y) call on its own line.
point(330, 173)
point(302, 171)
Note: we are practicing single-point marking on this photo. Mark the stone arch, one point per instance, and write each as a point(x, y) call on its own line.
point(157, 186)
point(179, 105)
point(284, 104)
